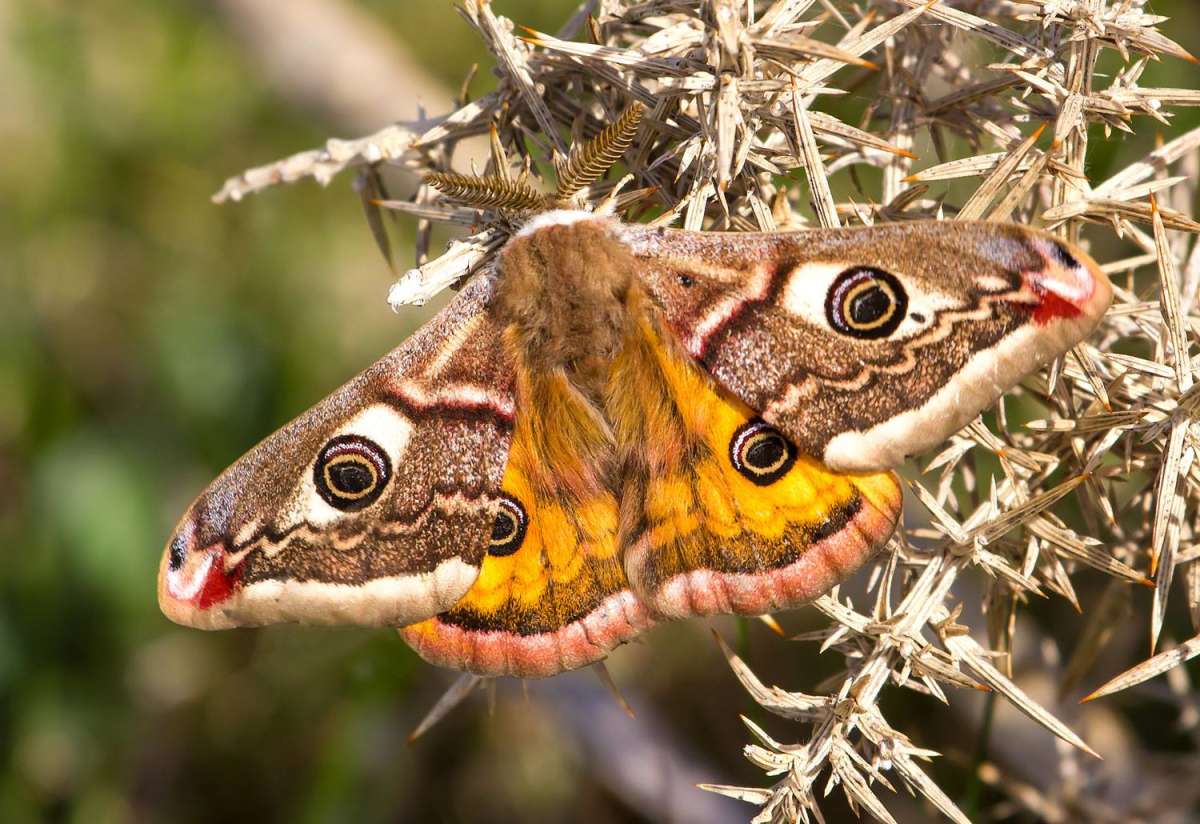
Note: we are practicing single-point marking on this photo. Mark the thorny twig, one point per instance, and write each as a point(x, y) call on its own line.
point(737, 96)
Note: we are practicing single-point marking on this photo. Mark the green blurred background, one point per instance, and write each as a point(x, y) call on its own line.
point(149, 337)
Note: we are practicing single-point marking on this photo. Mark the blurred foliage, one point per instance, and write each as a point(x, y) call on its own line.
point(147, 338)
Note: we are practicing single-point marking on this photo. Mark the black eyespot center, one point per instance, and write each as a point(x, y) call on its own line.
point(685, 280)
point(761, 453)
point(351, 472)
point(869, 305)
point(865, 302)
point(508, 530)
point(350, 476)
point(504, 527)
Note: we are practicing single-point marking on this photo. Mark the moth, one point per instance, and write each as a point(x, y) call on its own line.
point(619, 425)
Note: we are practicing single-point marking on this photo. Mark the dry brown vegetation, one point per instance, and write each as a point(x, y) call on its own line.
point(1086, 470)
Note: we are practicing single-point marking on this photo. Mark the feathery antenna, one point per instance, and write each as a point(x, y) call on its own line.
point(585, 164)
point(490, 192)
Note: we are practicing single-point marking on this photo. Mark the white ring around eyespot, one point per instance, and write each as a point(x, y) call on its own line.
point(383, 425)
point(808, 286)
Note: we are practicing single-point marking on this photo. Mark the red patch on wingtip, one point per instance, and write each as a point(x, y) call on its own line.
point(1051, 306)
point(218, 584)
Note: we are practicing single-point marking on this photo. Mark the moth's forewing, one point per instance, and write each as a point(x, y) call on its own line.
point(775, 318)
point(372, 508)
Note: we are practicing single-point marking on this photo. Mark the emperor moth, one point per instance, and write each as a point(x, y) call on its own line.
point(620, 424)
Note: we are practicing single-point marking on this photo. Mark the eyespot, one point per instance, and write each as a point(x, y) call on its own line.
point(761, 453)
point(351, 472)
point(864, 302)
point(685, 280)
point(508, 530)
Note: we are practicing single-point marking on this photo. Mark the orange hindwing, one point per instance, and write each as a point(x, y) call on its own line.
point(728, 516)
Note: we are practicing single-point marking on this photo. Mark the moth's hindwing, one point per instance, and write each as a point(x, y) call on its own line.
point(869, 344)
point(723, 513)
point(552, 594)
point(375, 507)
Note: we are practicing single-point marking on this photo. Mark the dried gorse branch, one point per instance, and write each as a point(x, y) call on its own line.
point(1099, 482)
